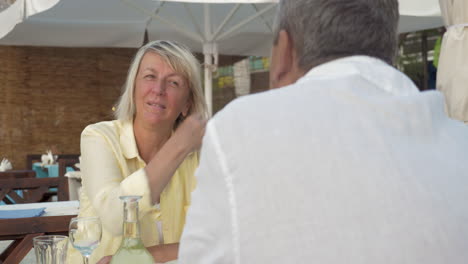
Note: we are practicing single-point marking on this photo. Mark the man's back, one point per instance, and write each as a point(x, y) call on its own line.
point(349, 165)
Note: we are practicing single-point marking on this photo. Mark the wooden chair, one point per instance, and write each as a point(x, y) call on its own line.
point(34, 189)
point(67, 162)
point(15, 174)
point(31, 158)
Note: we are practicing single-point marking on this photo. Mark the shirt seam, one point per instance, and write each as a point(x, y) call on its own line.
point(228, 179)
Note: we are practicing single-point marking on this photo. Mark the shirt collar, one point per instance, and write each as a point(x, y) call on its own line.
point(372, 69)
point(127, 140)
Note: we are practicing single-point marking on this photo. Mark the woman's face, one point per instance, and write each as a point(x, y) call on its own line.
point(161, 94)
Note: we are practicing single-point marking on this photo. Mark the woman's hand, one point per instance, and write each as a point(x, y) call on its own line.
point(186, 139)
point(105, 260)
point(190, 132)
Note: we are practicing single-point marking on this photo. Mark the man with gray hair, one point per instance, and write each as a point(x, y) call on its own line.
point(347, 163)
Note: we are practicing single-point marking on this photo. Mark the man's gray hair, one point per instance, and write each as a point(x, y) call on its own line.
point(322, 30)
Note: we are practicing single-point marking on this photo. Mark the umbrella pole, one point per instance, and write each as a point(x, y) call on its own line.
point(208, 82)
point(210, 52)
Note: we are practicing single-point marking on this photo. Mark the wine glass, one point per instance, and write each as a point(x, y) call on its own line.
point(85, 235)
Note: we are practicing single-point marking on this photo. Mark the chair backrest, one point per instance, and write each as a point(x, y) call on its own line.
point(34, 190)
point(31, 158)
point(67, 162)
point(15, 174)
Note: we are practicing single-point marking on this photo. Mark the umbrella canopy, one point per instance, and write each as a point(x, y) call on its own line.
point(418, 15)
point(20, 10)
point(122, 23)
point(453, 61)
point(242, 27)
point(232, 27)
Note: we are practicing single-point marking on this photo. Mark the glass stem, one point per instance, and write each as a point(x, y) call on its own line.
point(85, 259)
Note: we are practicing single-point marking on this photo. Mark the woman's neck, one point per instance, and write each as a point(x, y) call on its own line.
point(150, 139)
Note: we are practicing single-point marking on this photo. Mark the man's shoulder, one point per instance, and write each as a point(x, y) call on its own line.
point(254, 103)
point(255, 115)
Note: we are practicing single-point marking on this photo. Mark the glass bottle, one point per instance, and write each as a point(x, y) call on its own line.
point(132, 249)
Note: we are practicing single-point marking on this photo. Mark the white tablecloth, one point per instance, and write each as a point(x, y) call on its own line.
point(52, 208)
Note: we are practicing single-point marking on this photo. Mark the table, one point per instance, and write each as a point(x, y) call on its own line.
point(55, 220)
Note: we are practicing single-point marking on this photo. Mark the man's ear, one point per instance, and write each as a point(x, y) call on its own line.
point(283, 60)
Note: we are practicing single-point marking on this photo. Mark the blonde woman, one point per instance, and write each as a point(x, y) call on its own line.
point(149, 150)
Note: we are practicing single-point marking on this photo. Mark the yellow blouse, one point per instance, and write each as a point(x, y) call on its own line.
point(111, 167)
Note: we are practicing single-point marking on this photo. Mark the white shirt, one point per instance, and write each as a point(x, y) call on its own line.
point(351, 164)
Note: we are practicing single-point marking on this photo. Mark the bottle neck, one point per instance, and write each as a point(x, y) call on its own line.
point(131, 225)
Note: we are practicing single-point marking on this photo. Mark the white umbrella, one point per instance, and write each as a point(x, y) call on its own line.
point(233, 27)
point(121, 23)
point(19, 11)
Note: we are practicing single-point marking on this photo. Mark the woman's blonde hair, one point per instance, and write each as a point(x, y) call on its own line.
point(181, 60)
